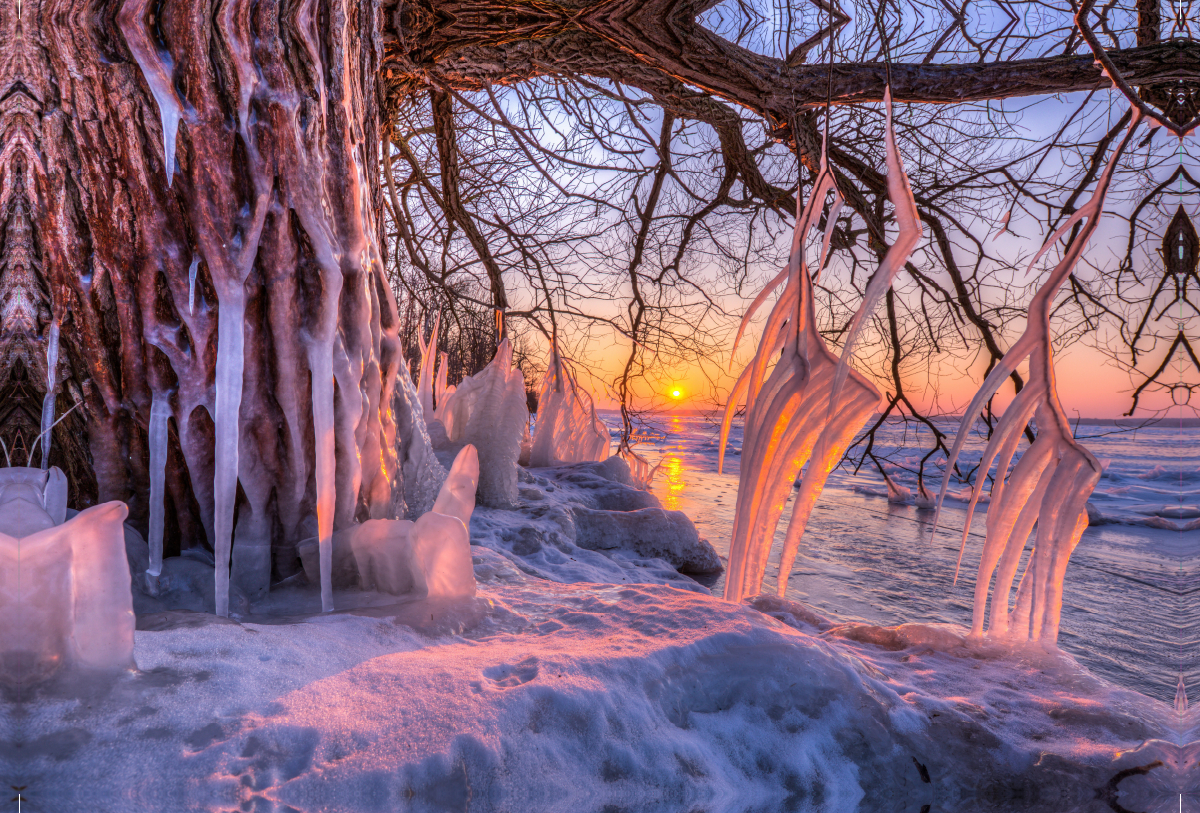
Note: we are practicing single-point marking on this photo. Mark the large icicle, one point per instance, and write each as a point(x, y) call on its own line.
point(230, 364)
point(568, 429)
point(51, 386)
point(810, 397)
point(160, 412)
point(1053, 480)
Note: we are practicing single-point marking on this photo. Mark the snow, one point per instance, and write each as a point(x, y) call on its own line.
point(552, 697)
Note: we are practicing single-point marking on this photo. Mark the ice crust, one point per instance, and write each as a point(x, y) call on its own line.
point(429, 558)
point(568, 429)
point(64, 584)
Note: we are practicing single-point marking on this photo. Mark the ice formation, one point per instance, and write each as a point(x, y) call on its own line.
point(440, 391)
point(160, 413)
point(51, 386)
point(230, 364)
point(421, 472)
point(429, 354)
point(430, 557)
point(1050, 485)
point(568, 430)
point(488, 410)
point(812, 404)
point(66, 586)
point(641, 473)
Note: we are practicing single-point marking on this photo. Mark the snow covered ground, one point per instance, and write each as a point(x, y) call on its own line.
point(543, 696)
point(569, 684)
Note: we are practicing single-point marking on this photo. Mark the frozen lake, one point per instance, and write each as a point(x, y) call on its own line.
point(1126, 614)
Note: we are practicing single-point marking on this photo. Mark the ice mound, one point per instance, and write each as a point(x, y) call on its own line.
point(64, 584)
point(568, 430)
point(488, 410)
point(587, 523)
point(429, 558)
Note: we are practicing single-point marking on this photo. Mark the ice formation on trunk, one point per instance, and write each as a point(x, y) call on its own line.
point(64, 585)
point(812, 404)
point(160, 413)
point(421, 472)
point(51, 386)
point(489, 411)
point(1054, 478)
point(568, 429)
point(429, 354)
point(156, 70)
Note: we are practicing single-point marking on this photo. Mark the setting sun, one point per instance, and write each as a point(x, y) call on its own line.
point(676, 394)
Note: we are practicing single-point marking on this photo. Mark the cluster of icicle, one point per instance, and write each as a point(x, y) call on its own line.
point(812, 404)
point(1050, 485)
point(489, 411)
point(568, 429)
point(360, 355)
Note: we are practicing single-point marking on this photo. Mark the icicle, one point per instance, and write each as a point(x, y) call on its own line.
point(640, 471)
point(428, 359)
point(192, 283)
point(1050, 485)
point(156, 69)
point(230, 365)
point(908, 220)
point(160, 412)
point(51, 386)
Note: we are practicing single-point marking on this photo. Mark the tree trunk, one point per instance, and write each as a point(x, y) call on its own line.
point(181, 178)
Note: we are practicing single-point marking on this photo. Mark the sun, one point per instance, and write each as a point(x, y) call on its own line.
point(676, 393)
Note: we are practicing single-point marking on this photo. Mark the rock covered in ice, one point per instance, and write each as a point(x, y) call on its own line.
point(568, 429)
point(652, 533)
point(64, 585)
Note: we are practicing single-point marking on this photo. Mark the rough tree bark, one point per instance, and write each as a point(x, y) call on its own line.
point(271, 210)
